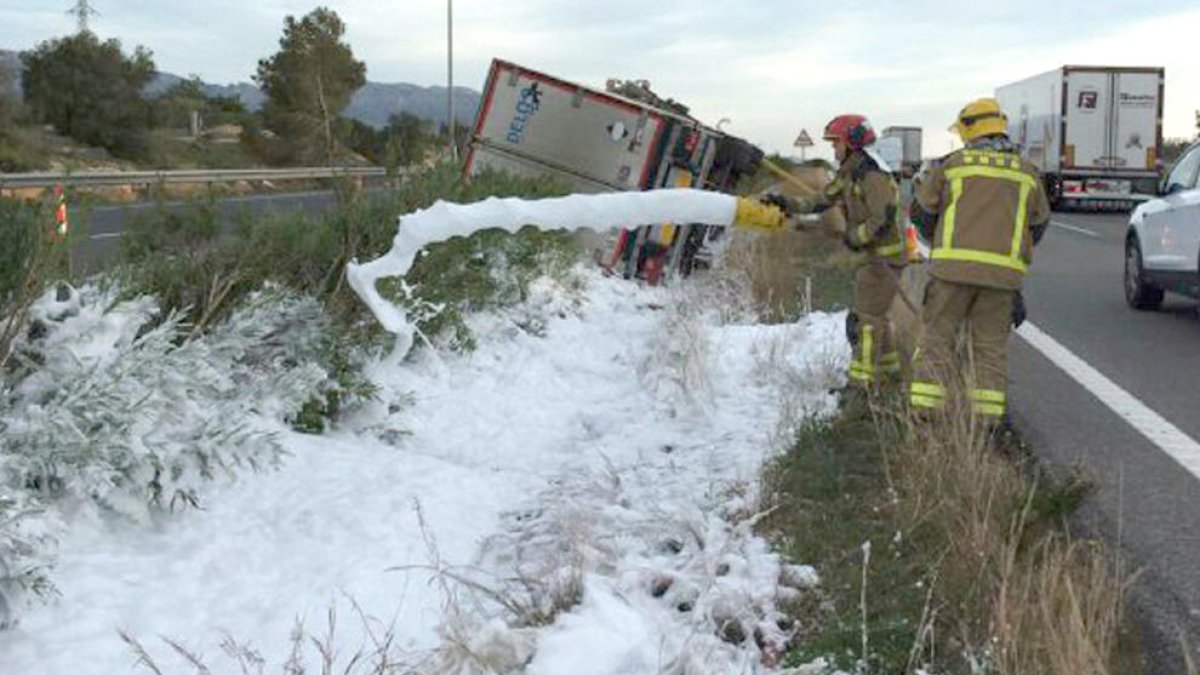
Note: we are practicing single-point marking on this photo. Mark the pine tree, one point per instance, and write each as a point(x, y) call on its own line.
point(308, 83)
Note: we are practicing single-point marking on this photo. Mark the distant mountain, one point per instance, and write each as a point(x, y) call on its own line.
point(373, 104)
point(376, 101)
point(250, 95)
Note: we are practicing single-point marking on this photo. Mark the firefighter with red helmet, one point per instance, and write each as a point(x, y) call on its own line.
point(863, 200)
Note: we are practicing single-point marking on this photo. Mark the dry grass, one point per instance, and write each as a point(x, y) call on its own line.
point(308, 652)
point(1057, 610)
point(971, 568)
point(788, 271)
point(1017, 593)
point(980, 575)
point(470, 642)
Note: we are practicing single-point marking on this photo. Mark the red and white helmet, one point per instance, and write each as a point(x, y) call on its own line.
point(853, 130)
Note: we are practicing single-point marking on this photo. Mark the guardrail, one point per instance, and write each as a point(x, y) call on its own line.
point(106, 178)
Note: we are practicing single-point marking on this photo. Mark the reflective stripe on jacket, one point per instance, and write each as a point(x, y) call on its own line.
point(987, 200)
point(870, 200)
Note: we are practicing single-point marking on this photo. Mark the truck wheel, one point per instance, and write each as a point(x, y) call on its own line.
point(1139, 293)
point(1054, 190)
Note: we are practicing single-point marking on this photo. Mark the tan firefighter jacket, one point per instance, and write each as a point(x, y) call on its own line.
point(867, 198)
point(986, 208)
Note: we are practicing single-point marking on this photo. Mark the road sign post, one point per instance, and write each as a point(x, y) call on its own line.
point(804, 142)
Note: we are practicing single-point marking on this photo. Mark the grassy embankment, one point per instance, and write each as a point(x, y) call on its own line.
point(935, 550)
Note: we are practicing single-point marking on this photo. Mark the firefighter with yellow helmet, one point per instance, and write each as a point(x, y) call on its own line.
point(863, 200)
point(983, 209)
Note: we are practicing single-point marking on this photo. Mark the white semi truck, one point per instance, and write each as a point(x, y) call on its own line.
point(1094, 131)
point(909, 140)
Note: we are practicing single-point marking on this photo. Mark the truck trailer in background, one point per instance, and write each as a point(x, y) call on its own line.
point(623, 138)
point(909, 139)
point(1094, 131)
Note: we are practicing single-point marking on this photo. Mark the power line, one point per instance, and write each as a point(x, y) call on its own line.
point(81, 11)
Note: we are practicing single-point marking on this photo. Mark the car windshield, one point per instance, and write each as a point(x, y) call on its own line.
point(1183, 175)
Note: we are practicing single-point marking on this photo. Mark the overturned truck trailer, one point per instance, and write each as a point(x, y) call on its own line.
point(594, 141)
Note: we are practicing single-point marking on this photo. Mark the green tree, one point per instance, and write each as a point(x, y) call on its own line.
point(408, 138)
point(363, 139)
point(1172, 148)
point(8, 102)
point(91, 91)
point(173, 109)
point(308, 83)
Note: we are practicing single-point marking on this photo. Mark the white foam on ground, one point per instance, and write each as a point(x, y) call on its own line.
point(527, 448)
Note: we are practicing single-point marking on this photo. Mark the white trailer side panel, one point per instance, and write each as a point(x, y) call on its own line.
point(531, 122)
point(1138, 121)
point(910, 138)
point(1034, 110)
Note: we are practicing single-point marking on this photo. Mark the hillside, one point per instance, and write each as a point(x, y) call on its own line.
point(372, 104)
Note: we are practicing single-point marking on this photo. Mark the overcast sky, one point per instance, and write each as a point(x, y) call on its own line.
point(771, 66)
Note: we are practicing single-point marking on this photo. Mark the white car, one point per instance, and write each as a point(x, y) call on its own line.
point(1162, 247)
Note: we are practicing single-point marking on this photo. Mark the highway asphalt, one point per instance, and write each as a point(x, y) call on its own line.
point(102, 242)
point(1144, 500)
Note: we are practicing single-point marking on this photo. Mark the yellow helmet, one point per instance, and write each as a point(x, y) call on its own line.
point(979, 118)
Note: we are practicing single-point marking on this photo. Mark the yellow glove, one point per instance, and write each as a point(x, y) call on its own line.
point(753, 213)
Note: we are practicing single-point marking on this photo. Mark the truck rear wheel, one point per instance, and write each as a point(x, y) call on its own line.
point(1054, 192)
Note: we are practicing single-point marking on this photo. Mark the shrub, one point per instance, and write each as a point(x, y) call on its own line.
point(185, 259)
point(108, 405)
point(29, 261)
point(114, 411)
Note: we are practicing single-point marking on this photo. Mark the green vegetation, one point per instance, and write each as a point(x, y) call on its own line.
point(223, 328)
point(403, 142)
point(972, 568)
point(92, 91)
point(969, 568)
point(833, 499)
point(22, 149)
point(1172, 148)
point(308, 83)
point(174, 108)
point(184, 258)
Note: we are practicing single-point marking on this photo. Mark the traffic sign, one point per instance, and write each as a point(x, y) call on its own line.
point(803, 140)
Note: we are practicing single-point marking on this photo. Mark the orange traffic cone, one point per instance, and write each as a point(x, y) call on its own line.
point(61, 224)
point(912, 245)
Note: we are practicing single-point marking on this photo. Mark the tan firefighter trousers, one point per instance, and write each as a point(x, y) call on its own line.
point(978, 365)
point(875, 357)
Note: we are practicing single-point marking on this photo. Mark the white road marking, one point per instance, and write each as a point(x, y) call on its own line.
point(106, 235)
point(1074, 228)
point(1168, 437)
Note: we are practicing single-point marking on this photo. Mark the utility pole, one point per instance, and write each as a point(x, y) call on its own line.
point(82, 10)
point(450, 78)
